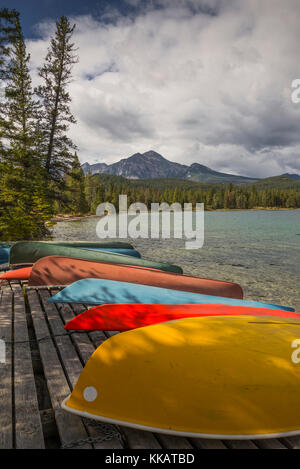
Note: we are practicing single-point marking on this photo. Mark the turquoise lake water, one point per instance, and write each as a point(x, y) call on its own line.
point(258, 249)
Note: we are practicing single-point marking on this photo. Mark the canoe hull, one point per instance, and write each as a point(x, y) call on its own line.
point(4, 255)
point(106, 245)
point(93, 244)
point(201, 379)
point(18, 274)
point(126, 317)
point(64, 271)
point(95, 292)
point(126, 252)
point(23, 252)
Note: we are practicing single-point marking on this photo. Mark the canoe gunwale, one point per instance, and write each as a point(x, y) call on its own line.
point(259, 436)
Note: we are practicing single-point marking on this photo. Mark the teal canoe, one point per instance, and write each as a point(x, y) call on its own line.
point(28, 253)
point(126, 252)
point(93, 291)
point(4, 255)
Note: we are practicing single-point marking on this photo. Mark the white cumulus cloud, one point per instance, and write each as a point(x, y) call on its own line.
point(198, 81)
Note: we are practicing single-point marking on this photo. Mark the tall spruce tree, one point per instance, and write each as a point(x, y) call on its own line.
point(76, 200)
point(8, 20)
point(23, 205)
point(56, 146)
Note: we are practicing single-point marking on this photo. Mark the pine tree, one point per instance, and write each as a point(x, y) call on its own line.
point(8, 20)
point(22, 195)
point(99, 198)
point(76, 202)
point(20, 107)
point(56, 115)
point(89, 190)
point(7, 34)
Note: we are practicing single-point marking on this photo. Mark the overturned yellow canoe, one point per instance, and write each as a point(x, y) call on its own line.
point(211, 377)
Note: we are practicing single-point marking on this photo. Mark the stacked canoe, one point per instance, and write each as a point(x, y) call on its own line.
point(194, 358)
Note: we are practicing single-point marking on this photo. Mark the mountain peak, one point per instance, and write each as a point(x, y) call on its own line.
point(199, 166)
point(294, 176)
point(151, 164)
point(153, 154)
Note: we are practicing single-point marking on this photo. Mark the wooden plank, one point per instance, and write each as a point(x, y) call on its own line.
point(69, 357)
point(70, 427)
point(28, 426)
point(85, 348)
point(138, 439)
point(6, 390)
point(4, 267)
point(272, 443)
point(206, 443)
point(82, 342)
point(73, 365)
point(48, 422)
point(292, 442)
point(98, 337)
point(172, 441)
point(240, 444)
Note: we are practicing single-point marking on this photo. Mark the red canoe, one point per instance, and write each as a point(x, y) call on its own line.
point(131, 316)
point(55, 270)
point(18, 274)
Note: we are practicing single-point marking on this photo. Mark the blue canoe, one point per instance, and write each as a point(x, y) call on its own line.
point(125, 252)
point(98, 291)
point(4, 255)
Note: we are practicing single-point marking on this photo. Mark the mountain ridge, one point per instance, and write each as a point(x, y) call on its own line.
point(151, 164)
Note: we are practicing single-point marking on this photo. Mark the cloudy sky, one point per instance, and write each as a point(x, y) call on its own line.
point(205, 81)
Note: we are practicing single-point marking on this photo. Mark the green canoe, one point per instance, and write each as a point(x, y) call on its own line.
point(28, 253)
point(94, 244)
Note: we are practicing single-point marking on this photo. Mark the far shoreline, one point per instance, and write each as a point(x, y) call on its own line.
point(68, 218)
point(61, 218)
